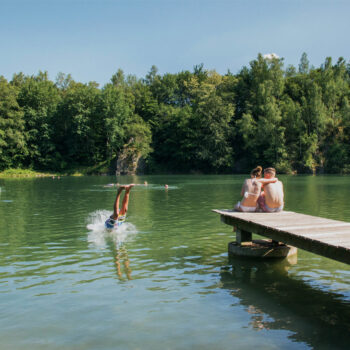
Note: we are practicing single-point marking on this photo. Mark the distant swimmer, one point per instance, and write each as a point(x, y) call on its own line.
point(119, 215)
point(145, 183)
point(166, 187)
point(112, 185)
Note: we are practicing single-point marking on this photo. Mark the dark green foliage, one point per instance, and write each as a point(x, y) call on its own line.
point(39, 98)
point(75, 132)
point(13, 147)
point(115, 114)
point(297, 120)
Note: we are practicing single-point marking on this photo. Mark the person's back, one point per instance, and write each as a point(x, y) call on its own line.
point(272, 199)
point(274, 194)
point(250, 192)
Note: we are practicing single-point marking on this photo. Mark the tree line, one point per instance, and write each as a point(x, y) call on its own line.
point(295, 119)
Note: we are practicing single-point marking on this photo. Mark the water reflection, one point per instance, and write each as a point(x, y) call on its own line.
point(276, 301)
point(121, 258)
point(114, 241)
point(162, 270)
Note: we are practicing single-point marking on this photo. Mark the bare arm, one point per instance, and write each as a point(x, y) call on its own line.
point(267, 181)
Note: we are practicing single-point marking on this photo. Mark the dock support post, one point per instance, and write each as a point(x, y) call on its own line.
point(259, 248)
point(243, 236)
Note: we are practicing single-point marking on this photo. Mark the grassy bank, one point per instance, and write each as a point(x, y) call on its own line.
point(11, 173)
point(98, 169)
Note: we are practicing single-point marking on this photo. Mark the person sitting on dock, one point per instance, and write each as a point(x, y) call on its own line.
point(271, 200)
point(251, 190)
point(118, 216)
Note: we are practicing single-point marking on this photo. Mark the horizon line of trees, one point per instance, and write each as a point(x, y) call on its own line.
point(297, 120)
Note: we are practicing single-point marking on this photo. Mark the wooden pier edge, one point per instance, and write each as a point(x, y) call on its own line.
point(244, 222)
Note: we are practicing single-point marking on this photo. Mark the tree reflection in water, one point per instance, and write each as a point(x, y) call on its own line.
point(277, 301)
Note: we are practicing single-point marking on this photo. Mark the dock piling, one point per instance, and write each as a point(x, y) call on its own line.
point(326, 237)
point(243, 236)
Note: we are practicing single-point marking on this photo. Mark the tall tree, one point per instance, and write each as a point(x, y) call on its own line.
point(304, 64)
point(75, 133)
point(116, 113)
point(13, 147)
point(260, 126)
point(211, 123)
point(39, 97)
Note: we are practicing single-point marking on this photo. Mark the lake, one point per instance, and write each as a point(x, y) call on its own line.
point(164, 280)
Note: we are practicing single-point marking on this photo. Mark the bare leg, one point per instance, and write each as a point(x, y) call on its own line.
point(116, 203)
point(237, 207)
point(124, 208)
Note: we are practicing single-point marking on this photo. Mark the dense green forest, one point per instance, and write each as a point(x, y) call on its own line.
point(296, 119)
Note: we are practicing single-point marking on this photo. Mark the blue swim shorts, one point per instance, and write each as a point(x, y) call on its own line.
point(110, 223)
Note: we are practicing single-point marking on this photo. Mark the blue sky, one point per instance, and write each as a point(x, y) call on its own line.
point(91, 39)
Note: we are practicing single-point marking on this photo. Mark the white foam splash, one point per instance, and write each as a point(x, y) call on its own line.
point(98, 234)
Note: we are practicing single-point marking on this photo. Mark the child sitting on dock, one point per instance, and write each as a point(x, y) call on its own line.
point(118, 216)
point(251, 191)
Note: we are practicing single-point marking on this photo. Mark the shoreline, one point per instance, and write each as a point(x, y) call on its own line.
point(29, 173)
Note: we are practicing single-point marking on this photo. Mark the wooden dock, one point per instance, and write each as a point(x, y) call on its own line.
point(329, 238)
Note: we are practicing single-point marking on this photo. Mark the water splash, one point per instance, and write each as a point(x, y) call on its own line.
point(98, 234)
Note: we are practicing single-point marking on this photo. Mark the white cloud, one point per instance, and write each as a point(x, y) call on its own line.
point(270, 56)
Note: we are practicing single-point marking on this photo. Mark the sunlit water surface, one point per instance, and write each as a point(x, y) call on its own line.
point(164, 280)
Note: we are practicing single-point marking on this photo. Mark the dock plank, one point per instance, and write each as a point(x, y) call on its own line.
point(326, 237)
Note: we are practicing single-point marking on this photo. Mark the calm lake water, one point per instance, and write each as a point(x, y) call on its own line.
point(164, 281)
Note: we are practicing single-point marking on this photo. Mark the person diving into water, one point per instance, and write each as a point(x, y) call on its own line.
point(119, 215)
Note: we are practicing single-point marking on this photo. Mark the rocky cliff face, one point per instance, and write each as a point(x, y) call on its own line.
point(129, 162)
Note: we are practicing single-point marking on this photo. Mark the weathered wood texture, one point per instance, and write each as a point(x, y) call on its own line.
point(329, 238)
point(243, 236)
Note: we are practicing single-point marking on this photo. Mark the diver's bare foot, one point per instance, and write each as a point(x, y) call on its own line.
point(121, 188)
point(128, 188)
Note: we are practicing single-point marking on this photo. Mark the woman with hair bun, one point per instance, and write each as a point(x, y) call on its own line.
point(251, 190)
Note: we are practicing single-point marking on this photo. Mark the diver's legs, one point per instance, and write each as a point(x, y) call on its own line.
point(116, 203)
point(124, 208)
